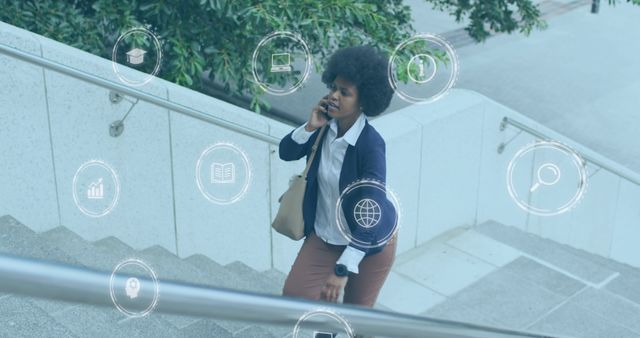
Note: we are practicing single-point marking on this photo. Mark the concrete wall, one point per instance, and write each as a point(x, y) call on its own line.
point(442, 165)
point(606, 220)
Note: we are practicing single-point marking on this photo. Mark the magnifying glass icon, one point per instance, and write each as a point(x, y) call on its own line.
point(555, 173)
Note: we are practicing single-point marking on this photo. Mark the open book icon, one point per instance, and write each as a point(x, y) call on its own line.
point(223, 173)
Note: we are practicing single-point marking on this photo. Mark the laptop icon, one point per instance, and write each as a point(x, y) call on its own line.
point(280, 63)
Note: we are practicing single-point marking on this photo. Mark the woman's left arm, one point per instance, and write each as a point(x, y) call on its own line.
point(374, 162)
point(372, 167)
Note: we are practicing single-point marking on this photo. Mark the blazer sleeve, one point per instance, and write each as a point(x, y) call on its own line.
point(373, 167)
point(290, 150)
point(374, 162)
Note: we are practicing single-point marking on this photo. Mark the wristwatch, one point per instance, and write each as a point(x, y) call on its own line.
point(341, 270)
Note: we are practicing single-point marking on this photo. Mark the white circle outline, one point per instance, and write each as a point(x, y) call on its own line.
point(156, 288)
point(323, 312)
point(114, 54)
point(433, 74)
point(254, 60)
point(578, 163)
point(429, 37)
point(553, 168)
point(247, 165)
point(367, 183)
point(115, 179)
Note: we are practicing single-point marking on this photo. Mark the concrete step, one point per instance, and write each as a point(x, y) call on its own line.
point(63, 245)
point(102, 255)
point(255, 331)
point(115, 245)
point(276, 277)
point(17, 239)
point(556, 254)
point(93, 321)
point(259, 281)
point(21, 318)
point(95, 256)
point(206, 328)
point(220, 275)
point(66, 240)
point(168, 266)
point(625, 284)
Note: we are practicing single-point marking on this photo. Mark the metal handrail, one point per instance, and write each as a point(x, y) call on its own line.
point(123, 89)
point(75, 284)
point(507, 121)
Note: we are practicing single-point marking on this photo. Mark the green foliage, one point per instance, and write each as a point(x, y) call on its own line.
point(221, 35)
point(487, 16)
point(635, 2)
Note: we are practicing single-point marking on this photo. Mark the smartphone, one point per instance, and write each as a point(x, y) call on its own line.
point(326, 115)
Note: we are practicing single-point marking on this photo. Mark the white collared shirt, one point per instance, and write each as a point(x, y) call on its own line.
point(332, 156)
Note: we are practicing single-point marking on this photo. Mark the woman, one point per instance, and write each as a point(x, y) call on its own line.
point(350, 150)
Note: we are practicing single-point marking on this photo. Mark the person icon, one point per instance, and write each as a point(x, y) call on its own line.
point(132, 288)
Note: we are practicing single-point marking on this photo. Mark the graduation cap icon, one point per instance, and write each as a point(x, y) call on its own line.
point(136, 56)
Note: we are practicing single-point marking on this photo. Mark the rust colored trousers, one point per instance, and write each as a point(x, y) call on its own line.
point(316, 261)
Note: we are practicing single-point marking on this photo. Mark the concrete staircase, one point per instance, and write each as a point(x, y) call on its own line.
point(32, 317)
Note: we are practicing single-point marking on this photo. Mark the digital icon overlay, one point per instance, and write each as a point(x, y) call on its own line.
point(138, 47)
point(136, 56)
point(223, 173)
point(305, 325)
point(555, 176)
point(96, 188)
point(281, 63)
point(134, 288)
point(422, 68)
point(367, 213)
point(429, 64)
point(363, 201)
point(546, 178)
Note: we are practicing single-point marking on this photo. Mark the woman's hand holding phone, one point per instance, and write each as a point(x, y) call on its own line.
point(319, 115)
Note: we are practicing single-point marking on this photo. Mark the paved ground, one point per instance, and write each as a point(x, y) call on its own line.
point(500, 276)
point(580, 76)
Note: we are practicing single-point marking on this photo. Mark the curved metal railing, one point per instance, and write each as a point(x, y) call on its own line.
point(75, 284)
point(588, 159)
point(135, 93)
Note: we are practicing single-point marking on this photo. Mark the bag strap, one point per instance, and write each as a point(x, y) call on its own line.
point(313, 152)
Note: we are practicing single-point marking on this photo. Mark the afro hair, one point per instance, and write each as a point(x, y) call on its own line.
point(366, 68)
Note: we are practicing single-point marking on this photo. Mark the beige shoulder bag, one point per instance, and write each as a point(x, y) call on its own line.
point(289, 220)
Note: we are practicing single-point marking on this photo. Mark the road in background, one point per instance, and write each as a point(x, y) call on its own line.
point(580, 76)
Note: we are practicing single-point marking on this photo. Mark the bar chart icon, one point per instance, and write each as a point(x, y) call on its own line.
point(96, 190)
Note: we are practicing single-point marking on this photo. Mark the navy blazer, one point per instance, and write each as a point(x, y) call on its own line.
point(365, 160)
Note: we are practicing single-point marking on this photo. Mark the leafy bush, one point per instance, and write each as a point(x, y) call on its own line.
point(221, 35)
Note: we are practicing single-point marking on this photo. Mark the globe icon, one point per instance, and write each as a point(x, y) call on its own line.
point(367, 213)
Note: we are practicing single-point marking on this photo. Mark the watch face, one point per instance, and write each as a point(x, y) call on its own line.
point(322, 335)
point(341, 270)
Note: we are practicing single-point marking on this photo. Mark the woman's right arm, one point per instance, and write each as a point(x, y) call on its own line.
point(298, 142)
